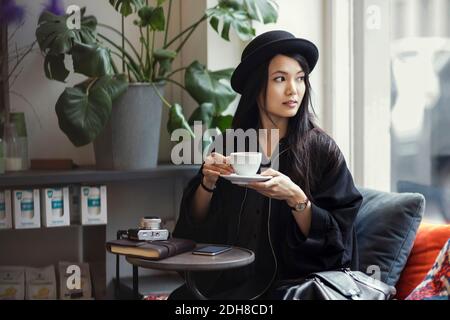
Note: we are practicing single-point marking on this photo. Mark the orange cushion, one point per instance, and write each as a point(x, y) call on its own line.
point(429, 241)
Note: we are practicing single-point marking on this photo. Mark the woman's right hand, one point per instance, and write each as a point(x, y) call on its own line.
point(215, 165)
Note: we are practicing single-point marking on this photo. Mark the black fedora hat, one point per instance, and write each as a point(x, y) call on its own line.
point(267, 45)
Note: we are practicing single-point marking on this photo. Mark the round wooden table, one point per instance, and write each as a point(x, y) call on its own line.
point(188, 262)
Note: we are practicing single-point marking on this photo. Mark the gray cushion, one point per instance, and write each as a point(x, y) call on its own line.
point(386, 227)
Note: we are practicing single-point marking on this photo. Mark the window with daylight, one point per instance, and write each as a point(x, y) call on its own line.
point(420, 102)
point(390, 95)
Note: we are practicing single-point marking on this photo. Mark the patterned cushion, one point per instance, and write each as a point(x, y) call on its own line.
point(156, 296)
point(429, 241)
point(436, 285)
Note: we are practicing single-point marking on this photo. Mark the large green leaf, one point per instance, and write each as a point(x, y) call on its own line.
point(164, 58)
point(262, 10)
point(239, 20)
point(222, 122)
point(125, 7)
point(239, 14)
point(54, 37)
point(164, 54)
point(177, 120)
point(153, 17)
point(115, 85)
point(54, 67)
point(83, 112)
point(209, 86)
point(232, 4)
point(204, 113)
point(91, 60)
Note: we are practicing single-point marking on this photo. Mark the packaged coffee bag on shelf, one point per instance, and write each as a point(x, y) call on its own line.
point(74, 281)
point(12, 283)
point(40, 283)
point(5, 209)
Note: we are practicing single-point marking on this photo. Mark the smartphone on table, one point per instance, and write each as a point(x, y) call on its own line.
point(211, 250)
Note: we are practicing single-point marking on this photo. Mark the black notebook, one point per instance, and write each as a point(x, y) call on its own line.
point(154, 250)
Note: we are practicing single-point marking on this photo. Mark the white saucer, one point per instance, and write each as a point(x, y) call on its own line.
point(243, 180)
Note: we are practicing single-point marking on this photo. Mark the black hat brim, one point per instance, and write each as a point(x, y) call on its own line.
point(303, 47)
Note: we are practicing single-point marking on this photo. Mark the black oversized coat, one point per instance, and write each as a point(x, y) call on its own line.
point(243, 217)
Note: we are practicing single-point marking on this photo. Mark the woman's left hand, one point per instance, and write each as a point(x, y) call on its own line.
point(280, 187)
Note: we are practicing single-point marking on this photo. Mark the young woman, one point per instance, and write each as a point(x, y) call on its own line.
point(301, 220)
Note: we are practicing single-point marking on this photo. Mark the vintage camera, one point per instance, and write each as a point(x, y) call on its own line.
point(148, 235)
point(150, 230)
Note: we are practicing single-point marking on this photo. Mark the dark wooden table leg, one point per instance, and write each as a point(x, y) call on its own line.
point(117, 288)
point(190, 283)
point(136, 294)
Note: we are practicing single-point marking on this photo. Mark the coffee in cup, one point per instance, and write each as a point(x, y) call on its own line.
point(245, 163)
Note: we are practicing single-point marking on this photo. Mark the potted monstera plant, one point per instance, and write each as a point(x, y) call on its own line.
point(118, 107)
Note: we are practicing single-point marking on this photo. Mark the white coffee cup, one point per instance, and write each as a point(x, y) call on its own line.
point(246, 163)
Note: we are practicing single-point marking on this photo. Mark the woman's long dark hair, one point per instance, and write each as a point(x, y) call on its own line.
point(307, 143)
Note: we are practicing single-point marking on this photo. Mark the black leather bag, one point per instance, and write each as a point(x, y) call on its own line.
point(338, 285)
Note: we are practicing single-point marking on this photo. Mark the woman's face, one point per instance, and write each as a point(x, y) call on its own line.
point(285, 88)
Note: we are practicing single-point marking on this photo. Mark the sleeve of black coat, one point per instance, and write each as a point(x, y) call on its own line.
point(210, 230)
point(329, 244)
point(187, 227)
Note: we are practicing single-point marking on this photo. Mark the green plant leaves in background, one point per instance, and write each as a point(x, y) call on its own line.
point(231, 4)
point(237, 19)
point(177, 120)
point(164, 57)
point(262, 10)
point(265, 11)
point(153, 17)
point(239, 14)
point(125, 7)
point(83, 111)
point(55, 38)
point(222, 122)
point(115, 85)
point(204, 113)
point(207, 114)
point(91, 60)
point(209, 86)
point(54, 67)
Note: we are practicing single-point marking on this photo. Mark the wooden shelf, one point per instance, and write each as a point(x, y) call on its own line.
point(91, 175)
